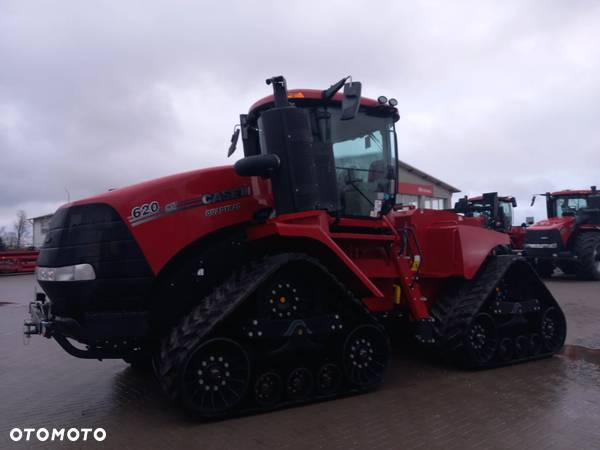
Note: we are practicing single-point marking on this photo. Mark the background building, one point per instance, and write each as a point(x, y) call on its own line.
point(40, 228)
point(423, 190)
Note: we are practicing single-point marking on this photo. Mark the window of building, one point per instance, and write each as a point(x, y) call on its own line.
point(409, 200)
point(433, 203)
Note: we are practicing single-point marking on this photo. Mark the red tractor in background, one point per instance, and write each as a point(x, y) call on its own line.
point(570, 237)
point(275, 282)
point(495, 213)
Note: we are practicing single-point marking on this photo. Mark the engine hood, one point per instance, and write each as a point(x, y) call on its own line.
point(553, 223)
point(167, 214)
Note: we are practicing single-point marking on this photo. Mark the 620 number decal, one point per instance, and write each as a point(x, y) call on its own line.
point(147, 209)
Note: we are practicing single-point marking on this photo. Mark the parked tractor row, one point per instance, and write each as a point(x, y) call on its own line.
point(569, 239)
point(276, 281)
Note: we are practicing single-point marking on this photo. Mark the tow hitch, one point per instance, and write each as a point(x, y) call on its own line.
point(39, 318)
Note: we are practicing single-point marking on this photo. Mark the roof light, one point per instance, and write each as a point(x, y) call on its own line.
point(393, 102)
point(295, 94)
point(382, 99)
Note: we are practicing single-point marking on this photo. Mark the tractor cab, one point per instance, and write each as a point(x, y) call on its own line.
point(570, 203)
point(496, 212)
point(566, 203)
point(323, 149)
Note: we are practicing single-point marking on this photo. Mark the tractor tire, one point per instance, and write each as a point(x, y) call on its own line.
point(544, 269)
point(587, 249)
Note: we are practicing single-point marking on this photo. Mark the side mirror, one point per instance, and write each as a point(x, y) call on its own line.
point(529, 220)
point(257, 166)
point(351, 101)
point(234, 140)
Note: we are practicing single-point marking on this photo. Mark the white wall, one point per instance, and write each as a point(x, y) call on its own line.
point(40, 227)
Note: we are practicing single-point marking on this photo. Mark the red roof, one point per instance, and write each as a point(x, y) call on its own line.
point(311, 94)
point(568, 192)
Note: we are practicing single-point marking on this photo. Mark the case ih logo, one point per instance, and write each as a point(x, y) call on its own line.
point(209, 199)
point(196, 202)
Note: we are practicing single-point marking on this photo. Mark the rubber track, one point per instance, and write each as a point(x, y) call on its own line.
point(219, 305)
point(453, 312)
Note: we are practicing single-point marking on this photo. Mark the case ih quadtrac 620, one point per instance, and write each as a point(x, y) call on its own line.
point(264, 284)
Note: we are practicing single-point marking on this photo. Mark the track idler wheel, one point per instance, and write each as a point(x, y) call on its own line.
point(536, 344)
point(506, 349)
point(215, 377)
point(366, 356)
point(299, 384)
point(553, 329)
point(329, 379)
point(481, 340)
point(268, 389)
point(521, 346)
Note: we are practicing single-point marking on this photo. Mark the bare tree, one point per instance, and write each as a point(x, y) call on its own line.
point(21, 228)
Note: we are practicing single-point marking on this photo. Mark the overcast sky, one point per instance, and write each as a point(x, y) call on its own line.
point(494, 96)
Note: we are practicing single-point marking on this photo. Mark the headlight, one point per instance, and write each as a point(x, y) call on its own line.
point(78, 272)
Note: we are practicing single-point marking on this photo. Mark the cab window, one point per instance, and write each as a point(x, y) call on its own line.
point(365, 161)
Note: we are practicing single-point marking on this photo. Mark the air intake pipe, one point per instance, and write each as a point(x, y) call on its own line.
point(287, 155)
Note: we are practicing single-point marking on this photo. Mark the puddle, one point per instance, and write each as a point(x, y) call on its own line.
point(580, 353)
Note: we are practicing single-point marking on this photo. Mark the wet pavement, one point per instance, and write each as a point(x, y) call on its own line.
point(550, 404)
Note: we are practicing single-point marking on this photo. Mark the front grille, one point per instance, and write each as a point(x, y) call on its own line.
point(94, 234)
point(540, 243)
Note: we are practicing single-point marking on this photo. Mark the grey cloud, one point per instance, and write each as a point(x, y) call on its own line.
point(493, 95)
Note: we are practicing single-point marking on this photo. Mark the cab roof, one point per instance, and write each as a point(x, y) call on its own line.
point(569, 192)
point(314, 96)
point(479, 198)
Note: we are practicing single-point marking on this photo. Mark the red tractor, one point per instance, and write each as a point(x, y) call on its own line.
point(495, 213)
point(269, 283)
point(570, 237)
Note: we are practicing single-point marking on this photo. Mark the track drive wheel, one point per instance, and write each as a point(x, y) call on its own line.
point(214, 378)
point(366, 355)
